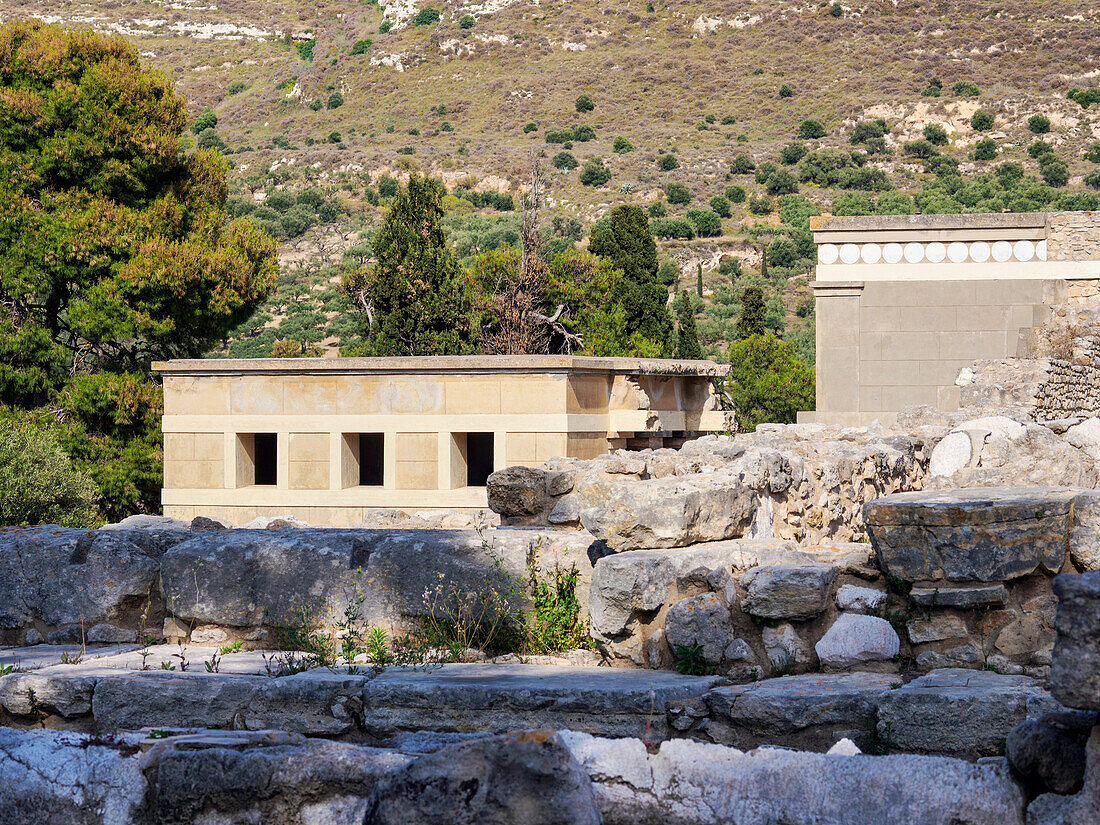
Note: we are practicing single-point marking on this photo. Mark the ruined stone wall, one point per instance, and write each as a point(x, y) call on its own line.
point(1073, 236)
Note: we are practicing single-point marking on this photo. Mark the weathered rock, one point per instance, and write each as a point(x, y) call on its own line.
point(966, 655)
point(957, 712)
point(811, 710)
point(667, 512)
point(518, 492)
point(784, 648)
point(500, 780)
point(35, 693)
point(202, 524)
point(1081, 809)
point(147, 522)
point(1084, 539)
point(935, 629)
point(851, 597)
point(50, 777)
point(700, 620)
point(692, 783)
point(317, 702)
point(851, 557)
point(567, 510)
point(855, 639)
point(950, 455)
point(959, 596)
point(1075, 668)
point(104, 632)
point(788, 591)
point(982, 535)
point(1049, 752)
point(500, 698)
point(628, 585)
point(159, 699)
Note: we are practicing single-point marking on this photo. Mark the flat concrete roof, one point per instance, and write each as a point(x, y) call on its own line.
point(870, 223)
point(450, 364)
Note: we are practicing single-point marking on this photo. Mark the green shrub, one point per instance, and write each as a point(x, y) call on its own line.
point(1084, 97)
point(334, 137)
point(530, 127)
point(584, 104)
point(706, 222)
point(426, 17)
point(935, 134)
point(982, 121)
point(964, 88)
point(1038, 124)
point(735, 193)
point(667, 162)
point(406, 150)
point(206, 120)
point(767, 382)
point(677, 193)
point(1038, 148)
point(583, 134)
point(413, 131)
point(1076, 202)
point(565, 160)
point(728, 120)
point(38, 484)
point(836, 10)
point(1092, 154)
point(595, 173)
point(742, 165)
point(657, 209)
point(466, 21)
point(761, 205)
point(793, 152)
point(387, 186)
point(922, 149)
point(1092, 179)
point(811, 130)
point(933, 89)
point(765, 170)
point(335, 100)
point(305, 49)
point(210, 139)
point(385, 27)
point(866, 130)
point(786, 91)
point(852, 203)
point(1053, 171)
point(559, 135)
point(236, 87)
point(446, 126)
point(621, 146)
point(317, 104)
point(721, 206)
point(362, 47)
point(781, 182)
point(1009, 174)
point(675, 228)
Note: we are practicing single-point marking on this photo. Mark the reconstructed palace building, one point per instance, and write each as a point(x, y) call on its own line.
point(326, 439)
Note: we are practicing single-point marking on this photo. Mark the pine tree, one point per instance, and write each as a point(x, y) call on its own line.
point(687, 339)
point(626, 240)
point(751, 320)
point(414, 299)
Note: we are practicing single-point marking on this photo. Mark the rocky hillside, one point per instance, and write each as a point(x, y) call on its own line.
point(335, 95)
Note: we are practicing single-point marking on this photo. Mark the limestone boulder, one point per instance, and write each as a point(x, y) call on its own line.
point(528, 777)
point(785, 649)
point(795, 592)
point(1083, 808)
point(1075, 667)
point(518, 492)
point(853, 597)
point(855, 639)
point(159, 699)
point(1084, 539)
point(675, 511)
point(696, 783)
point(957, 712)
point(983, 535)
point(50, 777)
point(700, 620)
point(1049, 752)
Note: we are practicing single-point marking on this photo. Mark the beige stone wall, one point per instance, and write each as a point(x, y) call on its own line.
point(1073, 236)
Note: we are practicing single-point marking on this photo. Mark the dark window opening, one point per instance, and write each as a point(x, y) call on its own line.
point(479, 458)
point(265, 459)
point(371, 460)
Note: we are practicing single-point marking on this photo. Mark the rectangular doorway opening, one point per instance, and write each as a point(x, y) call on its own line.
point(479, 458)
point(372, 465)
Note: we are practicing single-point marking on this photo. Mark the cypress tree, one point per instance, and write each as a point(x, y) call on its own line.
point(414, 298)
point(626, 240)
point(751, 320)
point(687, 339)
point(699, 280)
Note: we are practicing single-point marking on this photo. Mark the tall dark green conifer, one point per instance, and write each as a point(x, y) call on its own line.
point(687, 338)
point(414, 298)
point(751, 320)
point(625, 239)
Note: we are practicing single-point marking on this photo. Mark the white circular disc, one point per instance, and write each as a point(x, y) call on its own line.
point(914, 253)
point(827, 253)
point(1041, 250)
point(871, 253)
point(1002, 251)
point(891, 253)
point(1023, 250)
point(957, 252)
point(936, 252)
point(849, 253)
point(979, 252)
